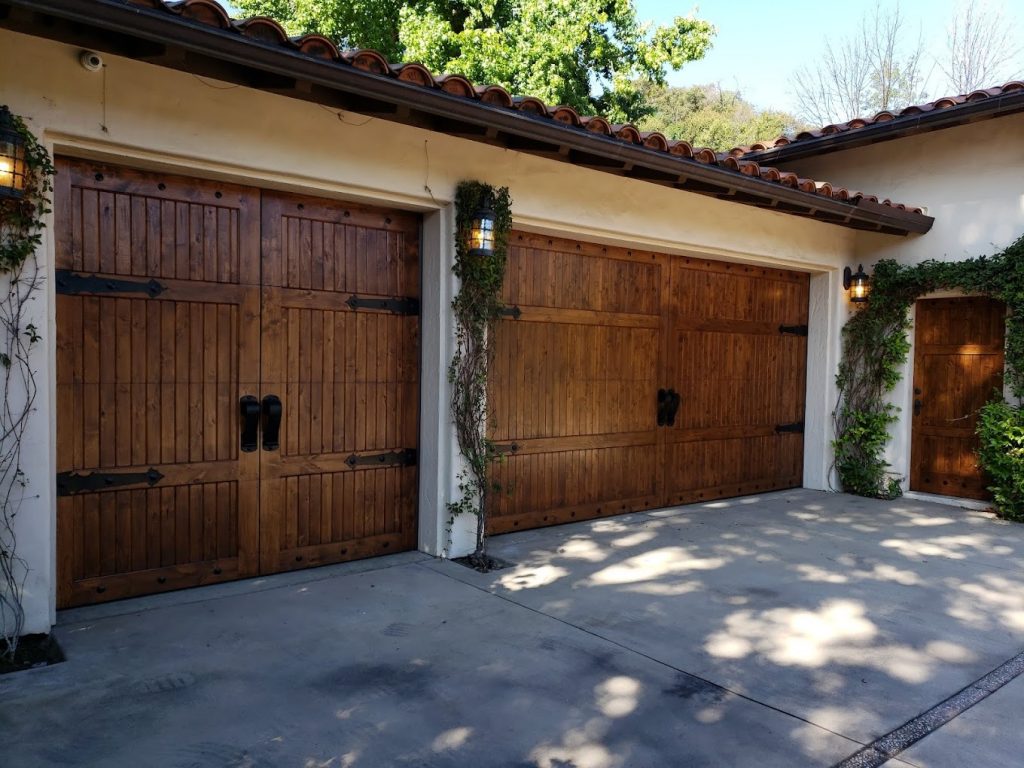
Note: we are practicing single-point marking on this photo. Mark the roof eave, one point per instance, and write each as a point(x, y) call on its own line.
point(897, 128)
point(136, 32)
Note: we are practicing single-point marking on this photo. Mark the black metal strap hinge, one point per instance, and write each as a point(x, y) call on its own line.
point(796, 330)
point(403, 458)
point(514, 312)
point(796, 426)
point(70, 483)
point(73, 283)
point(401, 305)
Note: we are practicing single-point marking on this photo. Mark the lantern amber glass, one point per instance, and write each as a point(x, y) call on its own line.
point(859, 290)
point(481, 236)
point(12, 158)
point(857, 283)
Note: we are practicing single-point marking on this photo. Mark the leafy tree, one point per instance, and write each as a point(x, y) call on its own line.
point(708, 116)
point(593, 55)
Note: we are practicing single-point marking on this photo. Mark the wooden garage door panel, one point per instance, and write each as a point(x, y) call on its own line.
point(738, 377)
point(121, 222)
point(348, 378)
point(733, 379)
point(958, 365)
point(124, 532)
point(332, 246)
point(150, 382)
point(565, 485)
point(708, 290)
point(570, 379)
point(574, 379)
point(554, 272)
point(709, 469)
point(602, 329)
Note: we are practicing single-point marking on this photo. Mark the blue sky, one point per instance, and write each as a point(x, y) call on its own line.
point(760, 44)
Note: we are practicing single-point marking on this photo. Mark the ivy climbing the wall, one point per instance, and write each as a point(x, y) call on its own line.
point(21, 230)
point(875, 349)
point(477, 308)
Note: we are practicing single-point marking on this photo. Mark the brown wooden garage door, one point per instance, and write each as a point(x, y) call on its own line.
point(605, 342)
point(171, 311)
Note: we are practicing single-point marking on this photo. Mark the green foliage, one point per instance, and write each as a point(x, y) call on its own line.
point(21, 219)
point(863, 470)
point(588, 54)
point(21, 229)
point(707, 116)
point(476, 309)
point(875, 349)
point(1001, 429)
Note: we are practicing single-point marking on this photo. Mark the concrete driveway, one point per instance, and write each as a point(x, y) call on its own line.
point(789, 629)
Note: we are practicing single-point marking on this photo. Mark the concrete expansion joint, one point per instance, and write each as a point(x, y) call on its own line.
point(893, 743)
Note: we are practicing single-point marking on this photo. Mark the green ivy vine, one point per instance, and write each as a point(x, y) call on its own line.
point(875, 349)
point(476, 308)
point(22, 221)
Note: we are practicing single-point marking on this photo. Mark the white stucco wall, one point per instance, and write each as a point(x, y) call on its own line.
point(970, 178)
point(141, 115)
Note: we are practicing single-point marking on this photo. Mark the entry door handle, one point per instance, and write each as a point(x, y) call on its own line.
point(917, 407)
point(272, 410)
point(249, 408)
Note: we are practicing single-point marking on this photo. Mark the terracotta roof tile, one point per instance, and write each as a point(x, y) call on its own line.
point(266, 31)
point(885, 116)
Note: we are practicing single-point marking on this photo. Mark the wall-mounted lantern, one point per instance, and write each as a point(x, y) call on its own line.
point(481, 231)
point(12, 157)
point(857, 283)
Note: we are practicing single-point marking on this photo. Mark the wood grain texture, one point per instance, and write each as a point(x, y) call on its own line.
point(738, 378)
point(576, 378)
point(348, 378)
point(574, 381)
point(958, 365)
point(155, 382)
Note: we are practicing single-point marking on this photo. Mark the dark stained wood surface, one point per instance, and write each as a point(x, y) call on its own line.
point(154, 382)
point(738, 378)
point(958, 366)
point(574, 393)
point(348, 378)
point(574, 383)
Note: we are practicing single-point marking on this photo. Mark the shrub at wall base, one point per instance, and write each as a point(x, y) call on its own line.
point(1001, 429)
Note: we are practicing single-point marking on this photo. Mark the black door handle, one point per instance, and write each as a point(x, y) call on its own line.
point(249, 407)
point(917, 407)
point(663, 401)
point(272, 410)
point(673, 407)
